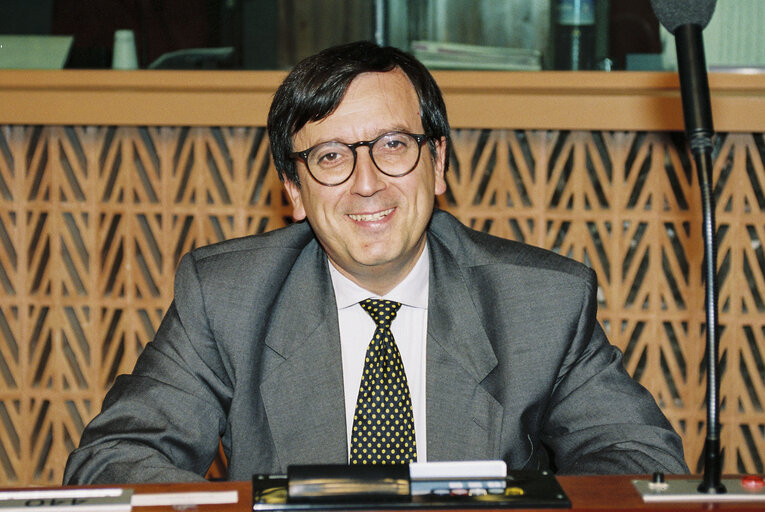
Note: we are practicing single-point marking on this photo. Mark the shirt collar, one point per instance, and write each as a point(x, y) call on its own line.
point(412, 291)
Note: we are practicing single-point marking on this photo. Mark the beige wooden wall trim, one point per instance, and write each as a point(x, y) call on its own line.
point(511, 100)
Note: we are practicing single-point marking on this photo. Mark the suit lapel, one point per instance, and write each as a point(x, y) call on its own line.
point(463, 419)
point(303, 388)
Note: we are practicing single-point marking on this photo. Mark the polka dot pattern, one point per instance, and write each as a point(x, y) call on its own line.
point(383, 425)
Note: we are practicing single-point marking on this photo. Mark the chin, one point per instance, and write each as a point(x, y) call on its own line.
point(367, 259)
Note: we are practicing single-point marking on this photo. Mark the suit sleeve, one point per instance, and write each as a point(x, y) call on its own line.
point(164, 421)
point(600, 420)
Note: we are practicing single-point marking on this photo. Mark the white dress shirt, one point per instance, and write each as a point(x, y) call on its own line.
point(409, 330)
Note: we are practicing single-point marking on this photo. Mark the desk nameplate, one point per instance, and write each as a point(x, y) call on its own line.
point(66, 500)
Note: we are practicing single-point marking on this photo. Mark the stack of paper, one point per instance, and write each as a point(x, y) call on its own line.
point(437, 55)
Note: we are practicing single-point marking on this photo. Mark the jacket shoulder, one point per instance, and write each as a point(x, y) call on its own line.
point(294, 236)
point(472, 248)
point(237, 261)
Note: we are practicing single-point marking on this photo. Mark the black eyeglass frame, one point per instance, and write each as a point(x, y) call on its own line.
point(303, 155)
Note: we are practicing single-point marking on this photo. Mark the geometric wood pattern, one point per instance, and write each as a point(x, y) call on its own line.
point(94, 219)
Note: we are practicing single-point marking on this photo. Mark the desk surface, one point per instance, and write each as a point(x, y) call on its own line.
point(587, 493)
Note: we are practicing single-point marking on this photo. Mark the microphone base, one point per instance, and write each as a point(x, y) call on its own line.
point(675, 490)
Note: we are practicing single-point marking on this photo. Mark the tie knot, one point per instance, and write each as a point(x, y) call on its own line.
point(382, 311)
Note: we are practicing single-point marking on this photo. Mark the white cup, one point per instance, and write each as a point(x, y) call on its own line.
point(124, 55)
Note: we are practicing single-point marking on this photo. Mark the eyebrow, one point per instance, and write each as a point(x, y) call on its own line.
point(379, 133)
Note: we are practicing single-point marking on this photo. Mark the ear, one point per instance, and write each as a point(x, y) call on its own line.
point(439, 167)
point(293, 192)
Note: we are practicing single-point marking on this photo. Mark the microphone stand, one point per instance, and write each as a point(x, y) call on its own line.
point(697, 113)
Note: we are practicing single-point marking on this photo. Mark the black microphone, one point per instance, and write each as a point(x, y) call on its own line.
point(686, 19)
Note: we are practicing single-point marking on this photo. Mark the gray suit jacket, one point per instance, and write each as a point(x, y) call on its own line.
point(517, 368)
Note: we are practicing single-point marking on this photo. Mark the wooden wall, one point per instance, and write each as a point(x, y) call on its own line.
point(105, 182)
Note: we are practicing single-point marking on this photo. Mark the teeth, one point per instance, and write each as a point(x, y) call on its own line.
point(370, 218)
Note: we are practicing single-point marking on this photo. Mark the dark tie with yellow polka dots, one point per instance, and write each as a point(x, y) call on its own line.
point(383, 425)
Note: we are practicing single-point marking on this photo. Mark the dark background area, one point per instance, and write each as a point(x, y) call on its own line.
point(262, 33)
point(160, 26)
point(633, 28)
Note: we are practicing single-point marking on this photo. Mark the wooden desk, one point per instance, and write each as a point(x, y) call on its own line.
point(598, 493)
point(587, 493)
point(244, 489)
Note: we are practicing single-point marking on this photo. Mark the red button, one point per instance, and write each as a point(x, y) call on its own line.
point(753, 482)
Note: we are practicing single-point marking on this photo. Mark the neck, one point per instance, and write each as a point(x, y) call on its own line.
point(381, 279)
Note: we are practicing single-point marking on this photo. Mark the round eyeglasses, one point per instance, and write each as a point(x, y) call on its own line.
point(332, 163)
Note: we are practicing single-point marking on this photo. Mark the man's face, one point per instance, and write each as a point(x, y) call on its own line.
point(372, 226)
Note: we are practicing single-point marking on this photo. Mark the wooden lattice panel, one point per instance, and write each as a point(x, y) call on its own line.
point(93, 221)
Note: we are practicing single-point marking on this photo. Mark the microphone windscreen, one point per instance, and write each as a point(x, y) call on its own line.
point(675, 13)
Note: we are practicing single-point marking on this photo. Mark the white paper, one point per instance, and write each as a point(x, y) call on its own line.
point(458, 470)
point(184, 498)
point(60, 494)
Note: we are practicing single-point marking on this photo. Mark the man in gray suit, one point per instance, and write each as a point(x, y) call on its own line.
point(264, 347)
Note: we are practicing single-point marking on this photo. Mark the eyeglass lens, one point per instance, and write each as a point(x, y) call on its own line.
point(395, 154)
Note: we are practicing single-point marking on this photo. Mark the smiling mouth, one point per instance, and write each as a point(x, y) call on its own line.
point(370, 217)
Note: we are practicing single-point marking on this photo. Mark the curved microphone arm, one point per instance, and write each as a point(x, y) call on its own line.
point(711, 483)
point(697, 113)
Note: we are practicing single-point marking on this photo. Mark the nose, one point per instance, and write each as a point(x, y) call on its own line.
point(367, 179)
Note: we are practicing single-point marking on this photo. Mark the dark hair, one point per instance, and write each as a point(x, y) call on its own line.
point(316, 86)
